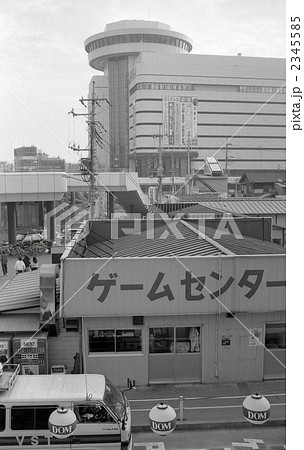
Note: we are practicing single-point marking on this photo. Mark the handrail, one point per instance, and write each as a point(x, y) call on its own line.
point(181, 408)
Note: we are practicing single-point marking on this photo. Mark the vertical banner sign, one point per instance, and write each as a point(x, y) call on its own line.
point(180, 120)
point(183, 111)
point(194, 121)
point(165, 120)
point(171, 120)
point(177, 124)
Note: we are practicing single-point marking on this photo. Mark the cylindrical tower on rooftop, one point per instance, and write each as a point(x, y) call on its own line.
point(113, 52)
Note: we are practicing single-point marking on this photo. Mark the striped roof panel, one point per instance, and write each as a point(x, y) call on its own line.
point(163, 244)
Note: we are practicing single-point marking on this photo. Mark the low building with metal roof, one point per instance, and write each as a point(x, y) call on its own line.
point(170, 301)
point(273, 208)
point(258, 182)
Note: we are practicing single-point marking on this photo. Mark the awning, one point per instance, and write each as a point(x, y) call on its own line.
point(19, 322)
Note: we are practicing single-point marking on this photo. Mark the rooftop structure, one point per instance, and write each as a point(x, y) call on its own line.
point(160, 241)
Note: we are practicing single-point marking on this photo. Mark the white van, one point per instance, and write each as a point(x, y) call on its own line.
point(26, 402)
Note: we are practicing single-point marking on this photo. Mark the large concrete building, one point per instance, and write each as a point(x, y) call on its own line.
point(167, 107)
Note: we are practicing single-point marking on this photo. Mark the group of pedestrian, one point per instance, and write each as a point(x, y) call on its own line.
point(4, 263)
point(25, 264)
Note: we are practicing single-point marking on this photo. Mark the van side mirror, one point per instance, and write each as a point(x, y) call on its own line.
point(130, 385)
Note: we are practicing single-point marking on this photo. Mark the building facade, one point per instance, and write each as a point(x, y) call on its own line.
point(29, 159)
point(213, 312)
point(169, 110)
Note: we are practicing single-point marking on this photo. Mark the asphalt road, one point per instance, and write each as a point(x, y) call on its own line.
point(257, 437)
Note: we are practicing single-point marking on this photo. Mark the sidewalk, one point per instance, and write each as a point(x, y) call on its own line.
point(207, 406)
point(45, 258)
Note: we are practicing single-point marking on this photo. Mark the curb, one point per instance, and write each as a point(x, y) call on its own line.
point(213, 425)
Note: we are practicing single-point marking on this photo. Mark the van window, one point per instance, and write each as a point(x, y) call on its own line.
point(92, 413)
point(31, 417)
point(2, 417)
point(114, 400)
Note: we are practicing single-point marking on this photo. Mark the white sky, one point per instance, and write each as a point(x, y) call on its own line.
point(44, 67)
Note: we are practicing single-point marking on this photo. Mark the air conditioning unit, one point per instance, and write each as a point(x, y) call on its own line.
point(58, 369)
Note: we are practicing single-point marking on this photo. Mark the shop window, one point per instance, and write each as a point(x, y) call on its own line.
point(2, 417)
point(92, 413)
point(129, 340)
point(31, 417)
point(174, 340)
point(187, 339)
point(161, 340)
point(275, 336)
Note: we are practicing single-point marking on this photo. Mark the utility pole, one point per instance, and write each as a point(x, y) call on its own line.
point(160, 171)
point(226, 158)
point(188, 156)
point(160, 168)
point(227, 155)
point(172, 169)
point(90, 169)
point(188, 187)
point(92, 193)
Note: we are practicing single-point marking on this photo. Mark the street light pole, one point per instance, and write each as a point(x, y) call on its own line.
point(226, 158)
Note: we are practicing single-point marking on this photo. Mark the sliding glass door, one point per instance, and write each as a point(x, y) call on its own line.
point(175, 354)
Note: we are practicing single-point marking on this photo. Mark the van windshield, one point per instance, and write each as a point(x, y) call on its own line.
point(114, 400)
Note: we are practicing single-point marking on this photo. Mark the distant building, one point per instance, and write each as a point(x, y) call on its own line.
point(255, 183)
point(6, 166)
point(72, 167)
point(28, 159)
point(172, 109)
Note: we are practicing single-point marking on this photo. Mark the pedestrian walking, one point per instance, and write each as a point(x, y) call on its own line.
point(27, 263)
point(34, 264)
point(4, 263)
point(19, 266)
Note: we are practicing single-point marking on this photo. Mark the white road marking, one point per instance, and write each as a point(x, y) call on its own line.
point(151, 445)
point(252, 443)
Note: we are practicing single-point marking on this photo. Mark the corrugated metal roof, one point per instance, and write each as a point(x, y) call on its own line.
point(263, 176)
point(246, 245)
point(138, 245)
point(246, 206)
point(22, 291)
point(10, 323)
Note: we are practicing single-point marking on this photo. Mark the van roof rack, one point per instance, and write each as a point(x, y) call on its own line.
point(9, 376)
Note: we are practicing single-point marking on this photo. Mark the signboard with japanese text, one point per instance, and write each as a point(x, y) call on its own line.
point(187, 285)
point(180, 120)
